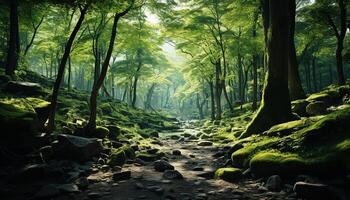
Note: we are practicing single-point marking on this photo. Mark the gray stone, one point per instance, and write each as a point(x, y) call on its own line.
point(312, 191)
point(172, 175)
point(162, 165)
point(274, 183)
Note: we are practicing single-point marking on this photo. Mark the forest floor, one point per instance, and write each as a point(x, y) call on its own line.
point(197, 164)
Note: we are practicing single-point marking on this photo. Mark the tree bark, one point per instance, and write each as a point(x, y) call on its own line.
point(13, 51)
point(275, 107)
point(218, 89)
point(93, 98)
point(212, 102)
point(294, 83)
point(136, 78)
point(61, 69)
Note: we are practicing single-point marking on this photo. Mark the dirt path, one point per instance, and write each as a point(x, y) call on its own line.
point(146, 183)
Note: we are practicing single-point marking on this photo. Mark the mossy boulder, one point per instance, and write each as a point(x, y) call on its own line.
point(24, 88)
point(316, 108)
point(117, 158)
point(273, 163)
point(147, 157)
point(229, 174)
point(329, 97)
point(288, 127)
point(18, 126)
point(42, 109)
point(100, 132)
point(299, 107)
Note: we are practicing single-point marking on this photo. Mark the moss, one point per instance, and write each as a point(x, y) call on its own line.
point(147, 157)
point(117, 158)
point(229, 174)
point(288, 127)
point(269, 163)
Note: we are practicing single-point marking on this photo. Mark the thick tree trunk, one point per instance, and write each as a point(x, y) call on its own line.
point(339, 59)
point(275, 107)
point(294, 83)
point(13, 49)
point(57, 84)
point(255, 65)
point(314, 81)
point(69, 72)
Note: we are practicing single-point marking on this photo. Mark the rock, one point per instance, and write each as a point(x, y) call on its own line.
point(229, 174)
point(207, 175)
point(18, 126)
point(152, 151)
point(114, 131)
point(274, 183)
point(201, 196)
point(204, 143)
point(312, 191)
point(140, 162)
point(219, 154)
point(76, 148)
point(299, 107)
point(100, 132)
point(161, 166)
point(139, 186)
point(176, 152)
point(68, 188)
point(316, 108)
point(25, 88)
point(172, 175)
point(156, 189)
point(147, 157)
point(198, 169)
point(94, 195)
point(118, 158)
point(120, 176)
point(42, 109)
point(174, 137)
point(47, 191)
point(154, 134)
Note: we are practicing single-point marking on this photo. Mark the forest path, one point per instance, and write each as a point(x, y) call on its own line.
point(194, 161)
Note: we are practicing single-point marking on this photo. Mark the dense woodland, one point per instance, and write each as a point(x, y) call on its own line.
point(253, 94)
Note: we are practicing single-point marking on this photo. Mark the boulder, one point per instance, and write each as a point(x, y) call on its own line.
point(76, 148)
point(41, 108)
point(100, 132)
point(18, 126)
point(25, 88)
point(316, 108)
point(312, 191)
point(234, 148)
point(162, 165)
point(229, 174)
point(299, 107)
point(147, 157)
point(32, 172)
point(118, 158)
point(274, 183)
point(172, 175)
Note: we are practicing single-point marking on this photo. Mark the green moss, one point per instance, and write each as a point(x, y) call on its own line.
point(269, 163)
point(147, 157)
point(117, 158)
point(287, 128)
point(229, 174)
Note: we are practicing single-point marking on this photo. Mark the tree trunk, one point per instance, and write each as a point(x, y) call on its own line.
point(275, 107)
point(93, 98)
point(13, 49)
point(69, 72)
point(294, 83)
point(218, 89)
point(212, 97)
point(314, 81)
point(200, 107)
point(137, 74)
point(61, 69)
point(33, 36)
point(255, 66)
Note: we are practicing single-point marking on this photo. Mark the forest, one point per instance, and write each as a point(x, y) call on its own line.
point(175, 99)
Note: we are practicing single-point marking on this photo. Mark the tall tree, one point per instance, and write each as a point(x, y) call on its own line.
point(13, 51)
point(62, 66)
point(93, 97)
point(275, 107)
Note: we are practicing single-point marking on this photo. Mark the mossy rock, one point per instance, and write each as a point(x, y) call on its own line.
point(147, 157)
point(329, 97)
point(299, 107)
point(272, 163)
point(333, 125)
point(287, 128)
point(229, 174)
point(100, 132)
point(316, 108)
point(117, 158)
